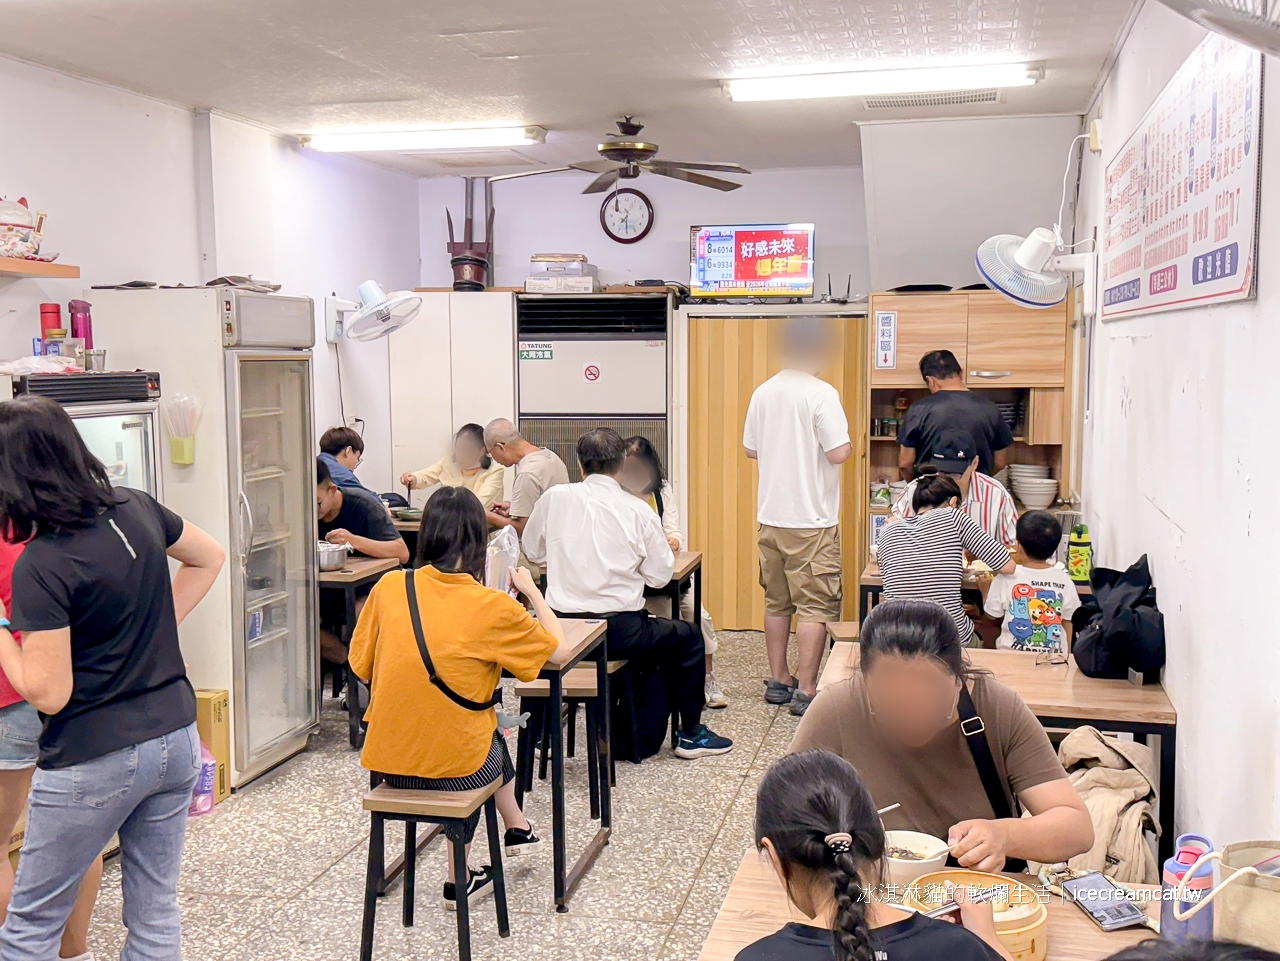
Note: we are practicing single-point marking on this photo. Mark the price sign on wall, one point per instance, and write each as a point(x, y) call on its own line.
point(1182, 192)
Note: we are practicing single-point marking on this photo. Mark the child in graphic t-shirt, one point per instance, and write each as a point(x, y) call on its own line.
point(1038, 599)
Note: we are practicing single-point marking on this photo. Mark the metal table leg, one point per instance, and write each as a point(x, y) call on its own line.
point(355, 735)
point(1168, 772)
point(555, 733)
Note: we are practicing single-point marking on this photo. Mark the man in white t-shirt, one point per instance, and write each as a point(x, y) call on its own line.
point(797, 432)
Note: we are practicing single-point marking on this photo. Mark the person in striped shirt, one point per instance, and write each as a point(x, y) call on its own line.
point(982, 497)
point(921, 557)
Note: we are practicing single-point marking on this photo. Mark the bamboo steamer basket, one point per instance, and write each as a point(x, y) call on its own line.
point(1025, 932)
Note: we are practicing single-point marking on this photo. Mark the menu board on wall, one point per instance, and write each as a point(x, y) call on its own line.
point(1180, 228)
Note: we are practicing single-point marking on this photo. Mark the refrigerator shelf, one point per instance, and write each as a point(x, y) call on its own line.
point(272, 539)
point(263, 473)
point(257, 600)
point(280, 633)
point(252, 413)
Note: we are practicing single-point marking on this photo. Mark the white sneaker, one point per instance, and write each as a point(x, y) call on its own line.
point(87, 956)
point(712, 693)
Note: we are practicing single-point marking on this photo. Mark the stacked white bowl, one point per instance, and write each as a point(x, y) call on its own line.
point(1033, 485)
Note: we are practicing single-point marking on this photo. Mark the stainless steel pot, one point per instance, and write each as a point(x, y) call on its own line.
point(331, 557)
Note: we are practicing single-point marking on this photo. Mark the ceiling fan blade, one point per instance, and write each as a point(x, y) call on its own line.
point(725, 167)
point(596, 166)
point(527, 173)
point(602, 183)
point(702, 180)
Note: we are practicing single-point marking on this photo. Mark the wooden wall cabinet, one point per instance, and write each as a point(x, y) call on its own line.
point(1046, 416)
point(1012, 346)
point(926, 322)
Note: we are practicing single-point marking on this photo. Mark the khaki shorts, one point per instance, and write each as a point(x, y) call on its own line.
point(800, 573)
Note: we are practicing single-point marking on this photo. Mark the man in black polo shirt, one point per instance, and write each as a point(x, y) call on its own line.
point(355, 517)
point(951, 409)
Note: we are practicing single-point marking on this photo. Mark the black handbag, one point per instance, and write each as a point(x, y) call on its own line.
point(1119, 627)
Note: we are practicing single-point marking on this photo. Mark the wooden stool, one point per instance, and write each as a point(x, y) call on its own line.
point(450, 809)
point(579, 687)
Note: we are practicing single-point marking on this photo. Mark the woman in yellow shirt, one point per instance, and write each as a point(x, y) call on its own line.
point(468, 466)
point(418, 737)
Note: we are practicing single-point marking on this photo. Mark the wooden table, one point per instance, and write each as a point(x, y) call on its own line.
point(357, 572)
point(586, 640)
point(757, 906)
point(1059, 695)
point(871, 586)
point(688, 567)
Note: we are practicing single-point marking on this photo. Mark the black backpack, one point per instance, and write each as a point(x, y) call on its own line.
point(1119, 627)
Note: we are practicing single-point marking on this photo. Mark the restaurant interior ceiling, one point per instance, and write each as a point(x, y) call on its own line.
point(306, 66)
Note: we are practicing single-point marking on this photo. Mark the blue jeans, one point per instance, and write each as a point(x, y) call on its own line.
point(143, 793)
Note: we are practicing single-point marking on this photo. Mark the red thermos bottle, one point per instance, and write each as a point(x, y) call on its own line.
point(81, 322)
point(50, 319)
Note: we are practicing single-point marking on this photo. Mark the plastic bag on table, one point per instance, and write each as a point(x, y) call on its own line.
point(502, 555)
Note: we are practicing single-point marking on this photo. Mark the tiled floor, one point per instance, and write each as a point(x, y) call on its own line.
point(277, 872)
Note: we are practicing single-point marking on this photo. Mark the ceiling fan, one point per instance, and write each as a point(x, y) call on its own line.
point(625, 156)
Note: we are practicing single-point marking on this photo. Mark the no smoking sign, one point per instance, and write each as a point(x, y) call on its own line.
point(591, 373)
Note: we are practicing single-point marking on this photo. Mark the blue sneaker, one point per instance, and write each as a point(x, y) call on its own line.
point(703, 743)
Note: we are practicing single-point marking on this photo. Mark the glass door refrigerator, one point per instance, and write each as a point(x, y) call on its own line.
point(246, 357)
point(274, 580)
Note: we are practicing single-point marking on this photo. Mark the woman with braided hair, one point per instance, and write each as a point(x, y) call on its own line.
point(817, 824)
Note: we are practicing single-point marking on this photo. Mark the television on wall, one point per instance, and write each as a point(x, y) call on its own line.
point(751, 260)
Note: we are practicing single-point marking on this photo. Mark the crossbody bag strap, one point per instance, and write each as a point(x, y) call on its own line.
point(974, 731)
point(415, 616)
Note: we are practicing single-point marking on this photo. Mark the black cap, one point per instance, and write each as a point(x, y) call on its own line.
point(953, 453)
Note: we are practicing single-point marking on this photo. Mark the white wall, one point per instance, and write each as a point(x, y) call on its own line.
point(319, 223)
point(1179, 460)
point(936, 189)
point(115, 173)
point(546, 214)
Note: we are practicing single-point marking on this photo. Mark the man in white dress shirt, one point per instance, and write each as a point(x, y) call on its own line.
point(601, 547)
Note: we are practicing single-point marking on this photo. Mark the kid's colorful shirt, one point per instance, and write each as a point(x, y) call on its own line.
point(1036, 604)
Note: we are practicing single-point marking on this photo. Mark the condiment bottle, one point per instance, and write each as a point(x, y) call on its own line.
point(1079, 555)
point(53, 339)
point(81, 322)
point(50, 319)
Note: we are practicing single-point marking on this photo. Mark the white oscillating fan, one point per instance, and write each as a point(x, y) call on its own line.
point(1030, 271)
point(376, 315)
point(1255, 23)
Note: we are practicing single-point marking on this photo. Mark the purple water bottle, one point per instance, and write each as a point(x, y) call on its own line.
point(1199, 927)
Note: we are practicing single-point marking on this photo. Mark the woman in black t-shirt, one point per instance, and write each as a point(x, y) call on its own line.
point(118, 752)
point(817, 824)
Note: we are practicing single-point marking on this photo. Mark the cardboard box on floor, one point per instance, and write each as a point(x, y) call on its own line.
point(212, 709)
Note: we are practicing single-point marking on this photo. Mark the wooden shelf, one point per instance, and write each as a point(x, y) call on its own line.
point(10, 267)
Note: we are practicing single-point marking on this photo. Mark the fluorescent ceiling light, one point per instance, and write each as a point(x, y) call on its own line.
point(861, 83)
point(456, 138)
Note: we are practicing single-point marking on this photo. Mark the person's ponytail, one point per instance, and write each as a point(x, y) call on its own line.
point(852, 933)
point(818, 816)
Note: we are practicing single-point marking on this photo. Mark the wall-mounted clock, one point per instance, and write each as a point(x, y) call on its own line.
point(626, 215)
